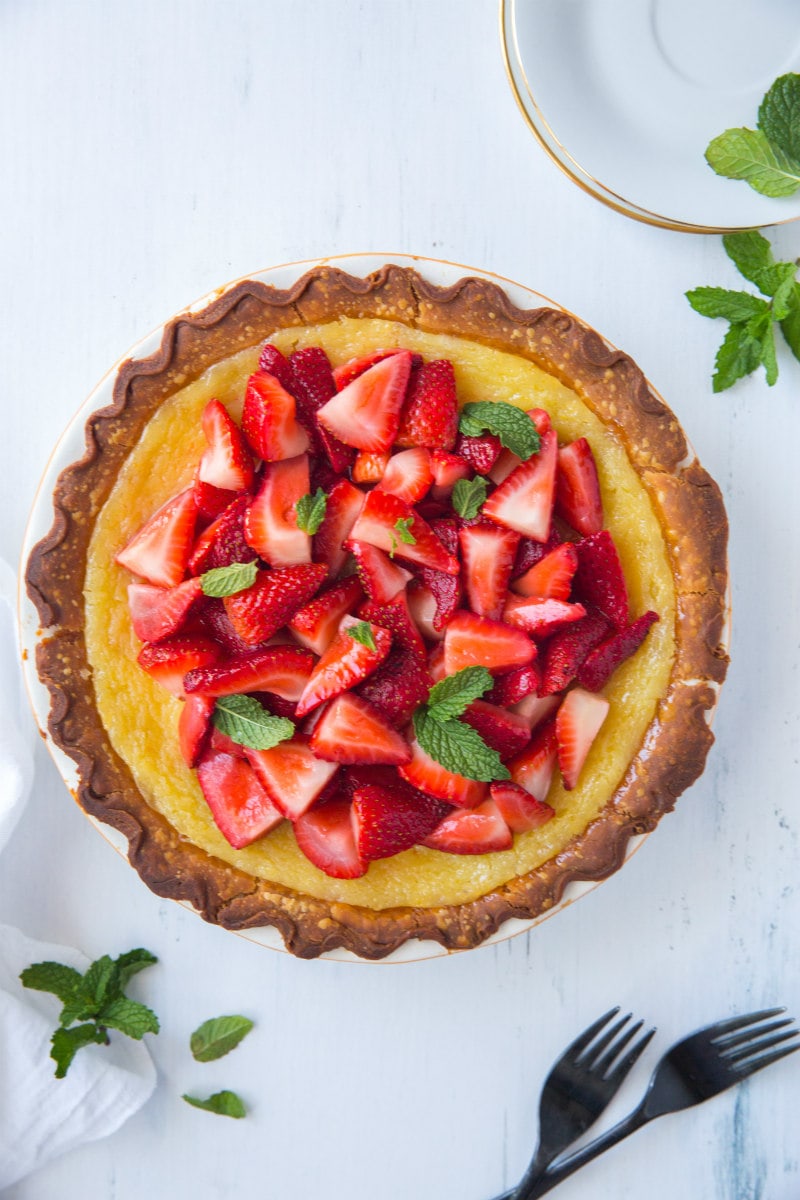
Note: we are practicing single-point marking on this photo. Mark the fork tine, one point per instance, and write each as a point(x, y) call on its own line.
point(601, 1065)
point(750, 1066)
point(625, 1064)
point(734, 1040)
point(755, 1048)
point(576, 1048)
point(597, 1048)
point(733, 1023)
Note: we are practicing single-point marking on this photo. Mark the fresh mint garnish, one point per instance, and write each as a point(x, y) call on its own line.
point(224, 1104)
point(768, 158)
point(514, 427)
point(403, 527)
point(310, 511)
point(218, 1036)
point(227, 581)
point(468, 496)
point(362, 632)
point(453, 744)
point(452, 696)
point(246, 721)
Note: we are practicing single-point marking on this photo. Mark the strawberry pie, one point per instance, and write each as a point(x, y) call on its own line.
point(381, 611)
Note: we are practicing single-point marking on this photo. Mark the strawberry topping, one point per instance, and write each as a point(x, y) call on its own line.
point(430, 415)
point(350, 730)
point(271, 602)
point(390, 818)
point(159, 552)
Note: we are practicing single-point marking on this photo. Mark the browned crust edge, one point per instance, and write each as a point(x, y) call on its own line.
point(685, 498)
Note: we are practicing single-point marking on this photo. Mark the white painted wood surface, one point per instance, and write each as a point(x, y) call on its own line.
point(151, 151)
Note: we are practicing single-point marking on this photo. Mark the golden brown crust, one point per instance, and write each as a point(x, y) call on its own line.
point(685, 498)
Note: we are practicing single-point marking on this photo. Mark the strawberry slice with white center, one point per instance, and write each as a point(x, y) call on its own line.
point(519, 809)
point(536, 709)
point(194, 727)
point(408, 475)
point(429, 776)
point(159, 552)
point(325, 835)
point(283, 670)
point(350, 370)
point(223, 543)
point(262, 609)
point(344, 504)
point(351, 731)
point(551, 577)
point(472, 641)
point(226, 462)
point(424, 611)
point(447, 469)
point(506, 732)
point(487, 557)
point(578, 722)
point(157, 612)
point(292, 774)
point(211, 501)
point(369, 468)
point(480, 830)
point(270, 523)
point(316, 624)
point(534, 768)
point(366, 413)
point(345, 663)
point(578, 500)
point(538, 617)
point(389, 523)
point(524, 500)
point(382, 579)
point(240, 805)
point(388, 819)
point(436, 662)
point(269, 419)
point(169, 661)
point(599, 579)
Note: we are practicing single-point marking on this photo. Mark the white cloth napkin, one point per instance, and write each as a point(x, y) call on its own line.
point(41, 1116)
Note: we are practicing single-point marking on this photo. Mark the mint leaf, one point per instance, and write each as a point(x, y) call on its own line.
point(514, 428)
point(129, 1017)
point(782, 295)
point(790, 325)
point(768, 355)
point(227, 581)
point(310, 511)
point(224, 1104)
point(52, 977)
point(100, 981)
point(748, 154)
point(458, 748)
point(452, 696)
point(468, 496)
point(739, 354)
point(65, 1044)
point(779, 116)
point(403, 527)
point(131, 963)
point(218, 1036)
point(752, 255)
point(719, 302)
point(247, 722)
point(362, 632)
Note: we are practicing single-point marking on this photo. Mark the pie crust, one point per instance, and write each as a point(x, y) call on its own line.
point(686, 501)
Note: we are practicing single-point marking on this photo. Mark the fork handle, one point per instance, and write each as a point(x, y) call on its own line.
point(530, 1189)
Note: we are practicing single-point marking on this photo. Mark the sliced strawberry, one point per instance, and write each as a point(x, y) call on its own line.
point(215, 621)
point(352, 731)
point(157, 612)
point(551, 577)
point(240, 806)
point(344, 504)
point(445, 588)
point(211, 501)
point(536, 709)
point(534, 768)
point(292, 774)
point(313, 385)
point(325, 835)
point(369, 468)
point(223, 542)
point(283, 670)
point(270, 523)
point(169, 661)
point(538, 617)
point(480, 452)
point(275, 363)
point(350, 370)
point(578, 722)
point(505, 731)
point(159, 552)
point(194, 727)
point(565, 652)
point(315, 624)
point(425, 611)
point(487, 556)
point(524, 501)
point(217, 739)
point(578, 500)
point(472, 641)
point(429, 776)
point(390, 819)
point(515, 685)
point(389, 523)
point(436, 662)
point(447, 469)
point(599, 579)
point(226, 462)
point(262, 609)
point(519, 809)
point(399, 685)
point(396, 617)
point(381, 578)
point(366, 413)
point(530, 552)
point(408, 475)
point(480, 830)
point(430, 413)
point(601, 663)
point(541, 419)
point(507, 461)
point(345, 663)
point(269, 419)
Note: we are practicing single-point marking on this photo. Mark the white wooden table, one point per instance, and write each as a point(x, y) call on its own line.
point(153, 150)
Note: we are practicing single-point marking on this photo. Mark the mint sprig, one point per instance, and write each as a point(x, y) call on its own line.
point(362, 632)
point(247, 722)
point(227, 581)
point(468, 496)
point(224, 1104)
point(310, 511)
point(452, 743)
point(514, 428)
point(218, 1036)
point(452, 696)
point(768, 157)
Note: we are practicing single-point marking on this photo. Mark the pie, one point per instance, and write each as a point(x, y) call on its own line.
point(137, 720)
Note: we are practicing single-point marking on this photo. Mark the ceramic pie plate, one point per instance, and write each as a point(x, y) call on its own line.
point(71, 448)
point(625, 95)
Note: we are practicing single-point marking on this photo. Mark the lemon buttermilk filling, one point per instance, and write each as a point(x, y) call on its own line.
point(141, 717)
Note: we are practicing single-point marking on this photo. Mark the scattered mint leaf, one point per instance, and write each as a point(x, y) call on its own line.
point(98, 983)
point(132, 963)
point(779, 116)
point(452, 696)
point(310, 511)
point(752, 254)
point(719, 302)
point(458, 748)
point(218, 1036)
point(65, 1044)
point(53, 977)
point(468, 496)
point(768, 354)
point(130, 1017)
point(748, 154)
point(403, 527)
point(362, 632)
point(514, 427)
point(224, 1104)
point(739, 354)
point(247, 722)
point(790, 325)
point(227, 581)
point(782, 296)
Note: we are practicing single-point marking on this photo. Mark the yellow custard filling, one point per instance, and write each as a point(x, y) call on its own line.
point(141, 717)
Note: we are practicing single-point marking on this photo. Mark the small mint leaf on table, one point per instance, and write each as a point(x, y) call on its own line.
point(218, 1036)
point(131, 963)
point(452, 696)
point(224, 1104)
point(458, 748)
point(247, 722)
point(749, 155)
point(468, 496)
point(719, 302)
point(511, 425)
point(362, 632)
point(739, 354)
point(790, 325)
point(129, 1017)
point(227, 581)
point(65, 1044)
point(310, 511)
point(60, 980)
point(403, 527)
point(100, 982)
point(752, 255)
point(779, 116)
